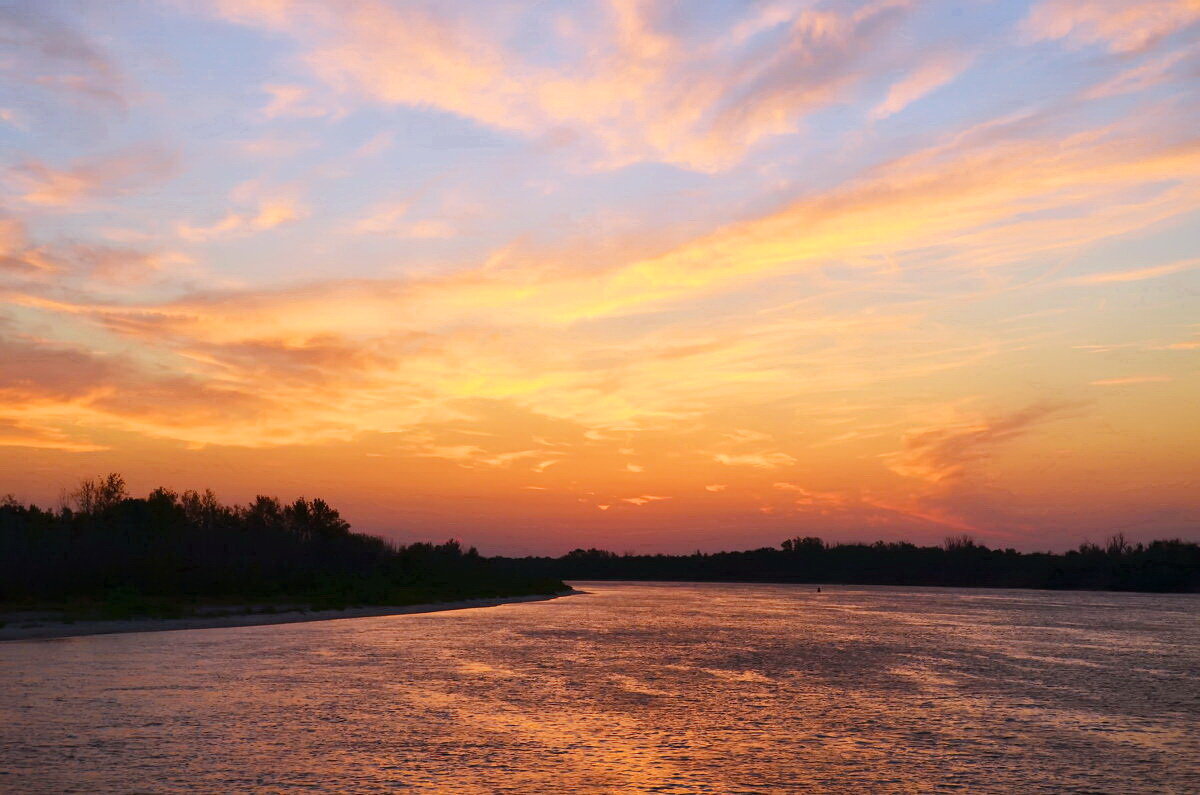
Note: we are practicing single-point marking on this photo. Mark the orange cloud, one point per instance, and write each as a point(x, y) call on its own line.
point(944, 453)
point(822, 499)
point(1133, 379)
point(14, 433)
point(39, 263)
point(17, 253)
point(645, 499)
point(768, 460)
point(291, 101)
point(274, 212)
point(270, 213)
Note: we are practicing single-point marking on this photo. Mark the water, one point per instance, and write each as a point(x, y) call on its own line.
point(631, 688)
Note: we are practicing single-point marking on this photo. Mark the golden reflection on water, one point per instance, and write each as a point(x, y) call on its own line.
point(631, 688)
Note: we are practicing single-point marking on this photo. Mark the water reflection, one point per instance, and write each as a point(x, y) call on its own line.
point(631, 688)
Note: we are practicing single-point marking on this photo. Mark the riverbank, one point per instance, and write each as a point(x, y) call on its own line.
point(28, 626)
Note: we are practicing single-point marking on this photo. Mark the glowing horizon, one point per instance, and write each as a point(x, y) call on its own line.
point(637, 275)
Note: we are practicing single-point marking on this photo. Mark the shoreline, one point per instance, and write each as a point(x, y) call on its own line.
point(53, 630)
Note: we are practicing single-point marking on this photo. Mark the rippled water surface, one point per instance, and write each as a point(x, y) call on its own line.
point(631, 688)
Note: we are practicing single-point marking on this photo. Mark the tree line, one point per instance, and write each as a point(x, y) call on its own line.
point(167, 550)
point(1163, 566)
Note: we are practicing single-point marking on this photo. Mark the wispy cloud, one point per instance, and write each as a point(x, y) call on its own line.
point(1138, 274)
point(1133, 379)
point(768, 460)
point(645, 94)
point(1144, 76)
point(392, 219)
point(46, 50)
point(925, 79)
point(645, 499)
point(292, 101)
point(1120, 27)
point(269, 213)
point(944, 453)
point(38, 183)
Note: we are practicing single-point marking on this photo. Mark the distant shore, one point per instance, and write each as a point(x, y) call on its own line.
point(42, 627)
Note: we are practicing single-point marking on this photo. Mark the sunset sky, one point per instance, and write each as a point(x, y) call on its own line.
point(639, 275)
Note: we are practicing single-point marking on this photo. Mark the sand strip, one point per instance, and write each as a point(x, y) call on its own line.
point(39, 630)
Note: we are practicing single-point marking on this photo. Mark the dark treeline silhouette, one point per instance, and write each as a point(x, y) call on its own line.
point(168, 550)
point(1171, 565)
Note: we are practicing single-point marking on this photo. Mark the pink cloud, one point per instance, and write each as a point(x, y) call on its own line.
point(643, 93)
point(925, 79)
point(109, 175)
point(1119, 26)
point(1138, 274)
point(292, 101)
point(269, 213)
point(45, 50)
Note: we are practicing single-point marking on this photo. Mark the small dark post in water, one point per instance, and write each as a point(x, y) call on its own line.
point(818, 589)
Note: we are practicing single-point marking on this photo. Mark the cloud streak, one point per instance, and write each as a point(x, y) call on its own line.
point(938, 455)
point(926, 79)
point(1138, 274)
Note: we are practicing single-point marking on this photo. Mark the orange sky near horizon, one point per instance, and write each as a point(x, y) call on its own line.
point(632, 274)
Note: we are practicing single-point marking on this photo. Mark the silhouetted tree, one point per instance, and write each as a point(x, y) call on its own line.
point(958, 542)
point(1172, 565)
point(95, 496)
point(188, 546)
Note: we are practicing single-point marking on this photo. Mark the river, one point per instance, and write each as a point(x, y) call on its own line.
point(631, 687)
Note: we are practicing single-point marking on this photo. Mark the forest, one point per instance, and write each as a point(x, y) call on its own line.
point(1160, 566)
point(104, 553)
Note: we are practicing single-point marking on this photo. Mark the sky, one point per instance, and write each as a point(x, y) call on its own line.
point(648, 276)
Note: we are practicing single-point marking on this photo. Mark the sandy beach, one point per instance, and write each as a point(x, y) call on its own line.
point(43, 627)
